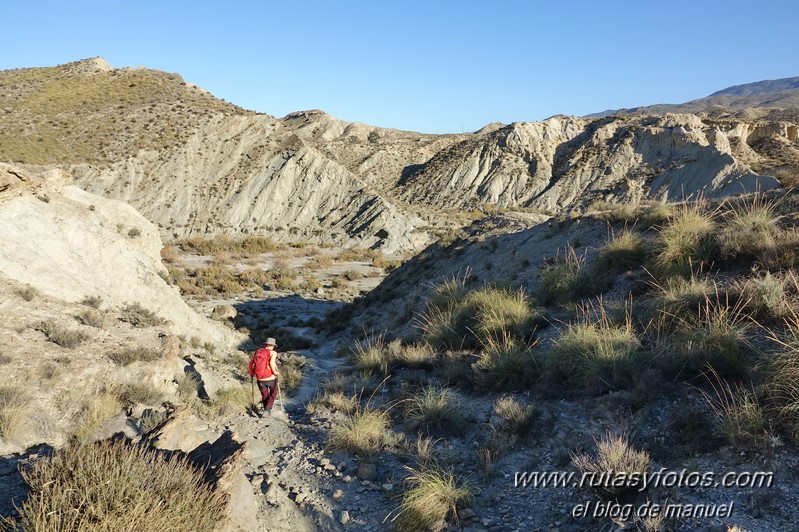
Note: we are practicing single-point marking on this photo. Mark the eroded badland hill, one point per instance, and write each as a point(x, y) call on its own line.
point(587, 296)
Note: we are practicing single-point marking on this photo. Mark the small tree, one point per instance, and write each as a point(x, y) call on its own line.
point(373, 137)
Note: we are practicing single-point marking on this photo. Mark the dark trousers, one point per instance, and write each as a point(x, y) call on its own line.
point(268, 392)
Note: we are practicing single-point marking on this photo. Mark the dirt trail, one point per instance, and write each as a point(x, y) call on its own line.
point(299, 484)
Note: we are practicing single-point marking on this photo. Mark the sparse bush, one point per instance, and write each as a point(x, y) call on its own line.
point(98, 407)
point(432, 497)
point(62, 336)
point(91, 318)
point(767, 297)
point(5, 359)
point(14, 411)
point(291, 370)
point(336, 401)
point(614, 455)
point(141, 488)
point(782, 377)
point(188, 385)
point(415, 356)
point(680, 298)
point(27, 293)
point(139, 316)
point(135, 392)
point(127, 356)
point(92, 301)
point(234, 398)
point(364, 433)
point(372, 356)
point(352, 275)
point(517, 417)
point(134, 232)
point(48, 370)
point(434, 408)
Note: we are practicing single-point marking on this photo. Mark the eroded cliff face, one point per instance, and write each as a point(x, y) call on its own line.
point(564, 162)
point(313, 178)
point(70, 244)
point(240, 175)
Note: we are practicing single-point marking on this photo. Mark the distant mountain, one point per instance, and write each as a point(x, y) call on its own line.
point(771, 94)
point(769, 86)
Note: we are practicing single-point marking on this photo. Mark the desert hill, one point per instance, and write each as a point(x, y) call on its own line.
point(198, 166)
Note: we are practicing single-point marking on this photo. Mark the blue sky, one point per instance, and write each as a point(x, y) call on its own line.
point(435, 66)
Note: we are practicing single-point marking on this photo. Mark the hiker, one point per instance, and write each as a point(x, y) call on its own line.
point(263, 367)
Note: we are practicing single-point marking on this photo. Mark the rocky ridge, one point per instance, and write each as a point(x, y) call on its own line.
point(312, 177)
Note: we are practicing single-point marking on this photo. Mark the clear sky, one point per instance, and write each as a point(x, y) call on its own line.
point(434, 66)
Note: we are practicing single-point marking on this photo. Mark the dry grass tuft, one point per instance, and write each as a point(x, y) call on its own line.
point(517, 417)
point(127, 356)
point(364, 433)
point(62, 336)
point(432, 497)
point(434, 408)
point(595, 351)
point(686, 243)
point(739, 416)
point(113, 486)
point(14, 411)
point(614, 455)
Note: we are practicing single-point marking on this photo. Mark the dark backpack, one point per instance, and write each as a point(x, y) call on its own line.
point(261, 364)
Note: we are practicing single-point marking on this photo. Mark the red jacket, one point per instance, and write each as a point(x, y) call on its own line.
point(260, 365)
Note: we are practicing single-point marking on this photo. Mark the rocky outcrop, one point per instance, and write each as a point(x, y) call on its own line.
point(71, 244)
point(565, 162)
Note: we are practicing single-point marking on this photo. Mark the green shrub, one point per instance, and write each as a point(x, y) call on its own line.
point(470, 318)
point(432, 497)
point(768, 297)
point(749, 228)
point(716, 338)
point(113, 486)
point(372, 356)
